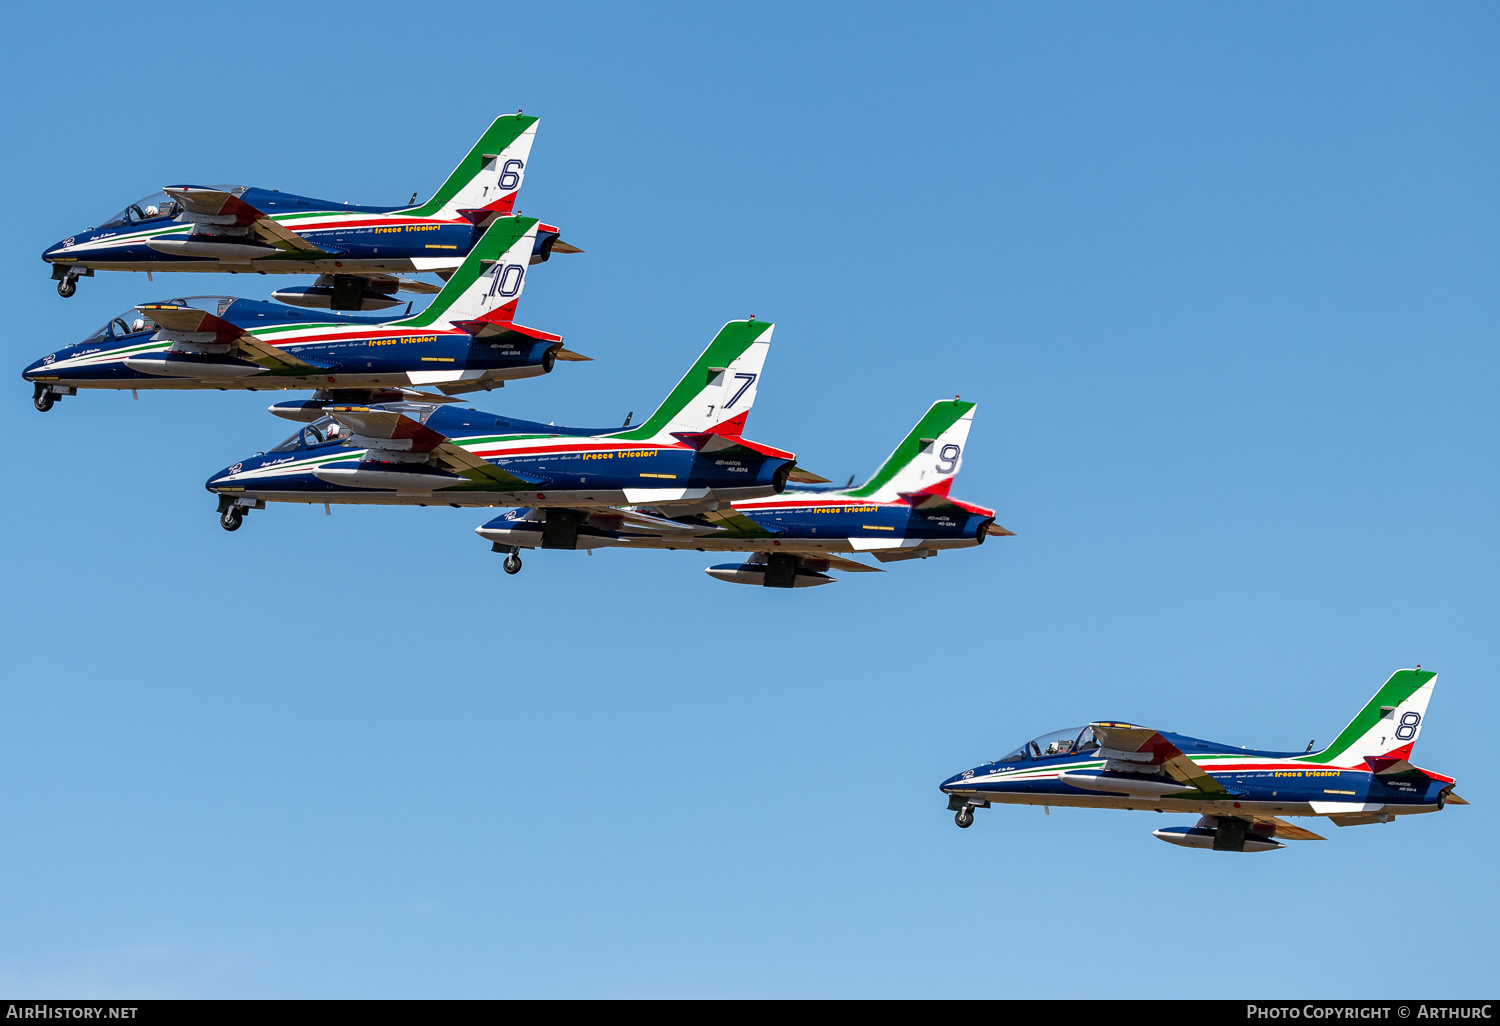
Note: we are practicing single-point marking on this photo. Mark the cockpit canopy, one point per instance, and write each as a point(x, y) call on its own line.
point(324, 429)
point(147, 208)
point(1069, 741)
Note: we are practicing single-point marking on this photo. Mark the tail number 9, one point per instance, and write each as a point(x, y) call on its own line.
point(948, 458)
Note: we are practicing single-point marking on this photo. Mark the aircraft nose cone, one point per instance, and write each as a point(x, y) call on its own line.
point(223, 477)
point(57, 249)
point(33, 368)
point(950, 783)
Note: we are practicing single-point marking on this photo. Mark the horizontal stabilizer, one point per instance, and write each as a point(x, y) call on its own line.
point(805, 477)
point(494, 330)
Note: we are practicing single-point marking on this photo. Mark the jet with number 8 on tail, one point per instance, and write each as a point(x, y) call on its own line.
point(1365, 776)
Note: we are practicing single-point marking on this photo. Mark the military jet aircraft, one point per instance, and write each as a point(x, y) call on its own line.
point(361, 253)
point(415, 453)
point(1365, 776)
point(465, 340)
point(903, 512)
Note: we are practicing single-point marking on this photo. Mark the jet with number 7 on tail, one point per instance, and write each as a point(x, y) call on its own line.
point(362, 253)
point(416, 453)
point(466, 339)
point(1365, 776)
point(903, 512)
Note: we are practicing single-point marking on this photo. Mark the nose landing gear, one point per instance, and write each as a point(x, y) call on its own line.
point(232, 511)
point(963, 809)
point(512, 564)
point(67, 286)
point(43, 399)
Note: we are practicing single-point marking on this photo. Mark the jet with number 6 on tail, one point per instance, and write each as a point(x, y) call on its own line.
point(903, 512)
point(466, 339)
point(362, 253)
point(416, 453)
point(1365, 776)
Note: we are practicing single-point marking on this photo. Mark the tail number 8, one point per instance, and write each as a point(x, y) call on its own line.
point(1407, 728)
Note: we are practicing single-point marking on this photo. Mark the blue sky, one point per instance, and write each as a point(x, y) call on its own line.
point(1222, 281)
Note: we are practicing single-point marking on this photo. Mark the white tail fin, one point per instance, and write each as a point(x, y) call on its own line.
point(928, 458)
point(1389, 723)
point(488, 283)
point(717, 393)
point(490, 176)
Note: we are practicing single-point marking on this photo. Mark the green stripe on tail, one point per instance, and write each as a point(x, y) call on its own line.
point(505, 130)
point(942, 416)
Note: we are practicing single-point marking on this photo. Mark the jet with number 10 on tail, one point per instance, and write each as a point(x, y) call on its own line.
point(361, 253)
point(466, 339)
point(421, 454)
point(1365, 776)
point(903, 512)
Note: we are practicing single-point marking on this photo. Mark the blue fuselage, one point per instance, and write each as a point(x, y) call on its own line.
point(555, 465)
point(343, 351)
point(354, 238)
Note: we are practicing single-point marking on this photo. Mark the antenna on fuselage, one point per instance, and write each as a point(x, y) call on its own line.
point(1311, 743)
point(627, 419)
point(413, 201)
point(849, 483)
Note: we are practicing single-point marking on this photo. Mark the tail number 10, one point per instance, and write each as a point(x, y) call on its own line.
point(507, 282)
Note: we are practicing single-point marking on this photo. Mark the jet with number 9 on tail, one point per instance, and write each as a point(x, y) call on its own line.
point(1365, 776)
point(903, 512)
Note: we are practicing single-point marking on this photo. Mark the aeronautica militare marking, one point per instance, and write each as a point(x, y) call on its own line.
point(418, 453)
point(361, 252)
point(1365, 776)
point(466, 339)
point(903, 512)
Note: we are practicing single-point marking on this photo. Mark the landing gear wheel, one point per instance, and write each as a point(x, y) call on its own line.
point(965, 817)
point(67, 286)
point(512, 564)
point(231, 519)
point(43, 400)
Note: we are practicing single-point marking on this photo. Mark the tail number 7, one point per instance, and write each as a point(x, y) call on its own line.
point(748, 379)
point(948, 458)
